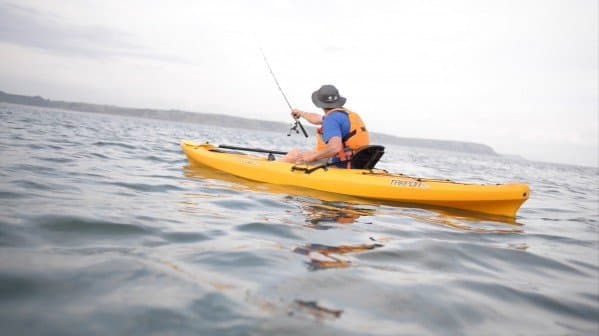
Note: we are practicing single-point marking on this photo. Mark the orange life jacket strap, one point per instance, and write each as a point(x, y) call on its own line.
point(345, 155)
point(352, 133)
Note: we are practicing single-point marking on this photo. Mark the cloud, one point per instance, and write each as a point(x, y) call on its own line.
point(29, 27)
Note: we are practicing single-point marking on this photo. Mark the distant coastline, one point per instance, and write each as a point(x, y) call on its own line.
point(229, 121)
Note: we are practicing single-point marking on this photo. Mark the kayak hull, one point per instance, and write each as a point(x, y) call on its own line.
point(500, 199)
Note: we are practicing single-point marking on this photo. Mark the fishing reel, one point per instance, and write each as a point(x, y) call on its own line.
point(297, 126)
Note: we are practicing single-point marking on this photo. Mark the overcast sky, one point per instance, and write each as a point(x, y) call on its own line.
point(520, 76)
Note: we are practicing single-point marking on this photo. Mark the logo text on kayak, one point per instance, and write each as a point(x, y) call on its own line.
point(248, 162)
point(404, 183)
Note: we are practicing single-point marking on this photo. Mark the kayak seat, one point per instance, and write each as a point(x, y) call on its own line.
point(367, 157)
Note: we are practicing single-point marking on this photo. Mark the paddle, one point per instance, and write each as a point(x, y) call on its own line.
point(258, 150)
point(297, 122)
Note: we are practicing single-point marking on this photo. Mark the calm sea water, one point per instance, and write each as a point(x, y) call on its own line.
point(106, 229)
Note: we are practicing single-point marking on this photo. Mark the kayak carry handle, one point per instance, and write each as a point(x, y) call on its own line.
point(310, 170)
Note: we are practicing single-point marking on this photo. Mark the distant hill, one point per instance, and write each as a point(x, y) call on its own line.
point(230, 121)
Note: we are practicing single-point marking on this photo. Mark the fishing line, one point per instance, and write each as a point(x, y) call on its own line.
point(297, 123)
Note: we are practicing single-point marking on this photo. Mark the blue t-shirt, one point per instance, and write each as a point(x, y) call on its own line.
point(334, 124)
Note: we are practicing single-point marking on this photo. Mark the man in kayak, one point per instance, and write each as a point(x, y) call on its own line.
point(342, 131)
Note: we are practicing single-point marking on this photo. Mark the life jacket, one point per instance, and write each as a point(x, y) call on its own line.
point(356, 138)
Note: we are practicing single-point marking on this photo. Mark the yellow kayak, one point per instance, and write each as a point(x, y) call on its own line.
point(493, 199)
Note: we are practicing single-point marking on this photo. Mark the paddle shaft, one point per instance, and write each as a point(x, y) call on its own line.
point(258, 150)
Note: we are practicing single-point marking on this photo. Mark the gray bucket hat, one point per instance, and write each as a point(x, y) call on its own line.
point(327, 97)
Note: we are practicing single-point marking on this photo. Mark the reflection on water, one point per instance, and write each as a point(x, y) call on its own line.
point(325, 256)
point(479, 224)
point(317, 311)
point(297, 309)
point(320, 212)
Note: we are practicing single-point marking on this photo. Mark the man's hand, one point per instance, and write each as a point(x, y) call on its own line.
point(306, 157)
point(313, 118)
point(296, 113)
point(331, 149)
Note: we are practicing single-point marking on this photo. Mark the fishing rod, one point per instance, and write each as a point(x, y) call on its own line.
point(297, 123)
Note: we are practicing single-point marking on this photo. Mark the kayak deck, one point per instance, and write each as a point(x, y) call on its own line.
point(493, 199)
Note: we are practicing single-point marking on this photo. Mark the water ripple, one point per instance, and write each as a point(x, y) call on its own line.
point(269, 229)
point(86, 226)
